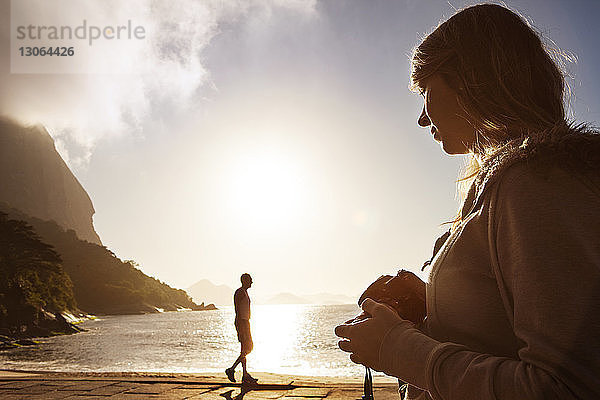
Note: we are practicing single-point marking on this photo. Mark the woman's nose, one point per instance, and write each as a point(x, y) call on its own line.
point(423, 119)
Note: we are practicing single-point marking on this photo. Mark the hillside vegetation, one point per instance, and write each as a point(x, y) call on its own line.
point(101, 282)
point(32, 280)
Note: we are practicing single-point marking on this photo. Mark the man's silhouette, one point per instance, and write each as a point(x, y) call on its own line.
point(241, 301)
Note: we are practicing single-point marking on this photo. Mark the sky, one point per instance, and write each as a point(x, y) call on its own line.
point(272, 137)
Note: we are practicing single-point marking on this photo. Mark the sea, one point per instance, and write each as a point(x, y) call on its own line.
point(288, 339)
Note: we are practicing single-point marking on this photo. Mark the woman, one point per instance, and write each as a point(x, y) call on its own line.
point(513, 298)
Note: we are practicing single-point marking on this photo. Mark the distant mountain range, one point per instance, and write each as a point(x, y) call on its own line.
point(208, 292)
point(222, 295)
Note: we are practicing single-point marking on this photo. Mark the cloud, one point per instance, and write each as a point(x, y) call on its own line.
point(79, 110)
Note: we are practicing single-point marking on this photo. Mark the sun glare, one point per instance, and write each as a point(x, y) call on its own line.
point(275, 334)
point(266, 191)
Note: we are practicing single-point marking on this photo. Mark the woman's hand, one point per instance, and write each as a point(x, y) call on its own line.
point(363, 338)
point(387, 343)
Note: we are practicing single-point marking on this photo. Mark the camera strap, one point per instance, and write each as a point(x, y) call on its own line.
point(368, 385)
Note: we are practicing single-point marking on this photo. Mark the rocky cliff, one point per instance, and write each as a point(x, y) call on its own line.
point(35, 179)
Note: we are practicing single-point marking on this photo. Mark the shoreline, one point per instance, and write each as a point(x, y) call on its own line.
point(68, 323)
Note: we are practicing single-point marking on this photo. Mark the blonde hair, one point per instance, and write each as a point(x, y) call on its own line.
point(506, 81)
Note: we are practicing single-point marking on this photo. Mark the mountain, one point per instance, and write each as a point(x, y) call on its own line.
point(287, 298)
point(35, 179)
point(45, 209)
point(208, 292)
point(330, 298)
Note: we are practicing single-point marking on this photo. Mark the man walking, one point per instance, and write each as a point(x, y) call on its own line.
point(241, 301)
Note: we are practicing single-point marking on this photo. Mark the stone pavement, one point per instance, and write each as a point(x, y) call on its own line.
point(137, 386)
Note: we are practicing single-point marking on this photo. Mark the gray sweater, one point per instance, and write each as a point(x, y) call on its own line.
point(513, 299)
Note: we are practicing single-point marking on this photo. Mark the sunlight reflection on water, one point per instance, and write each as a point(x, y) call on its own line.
point(288, 339)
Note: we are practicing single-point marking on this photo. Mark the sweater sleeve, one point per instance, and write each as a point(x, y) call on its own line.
point(544, 235)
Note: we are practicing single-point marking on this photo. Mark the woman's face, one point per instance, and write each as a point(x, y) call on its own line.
point(448, 122)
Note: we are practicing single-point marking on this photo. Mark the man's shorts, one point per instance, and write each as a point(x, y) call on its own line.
point(244, 336)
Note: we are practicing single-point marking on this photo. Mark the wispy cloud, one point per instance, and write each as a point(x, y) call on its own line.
point(81, 109)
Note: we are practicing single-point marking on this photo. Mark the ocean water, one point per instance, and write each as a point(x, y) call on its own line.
point(288, 339)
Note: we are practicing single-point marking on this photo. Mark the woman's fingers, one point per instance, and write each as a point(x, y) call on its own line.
point(372, 307)
point(362, 338)
point(358, 318)
point(345, 345)
point(357, 341)
point(343, 331)
point(381, 311)
point(368, 305)
point(347, 330)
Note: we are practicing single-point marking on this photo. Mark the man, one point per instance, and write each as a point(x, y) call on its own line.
point(241, 301)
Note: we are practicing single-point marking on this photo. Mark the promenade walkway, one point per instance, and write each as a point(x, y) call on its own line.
point(138, 386)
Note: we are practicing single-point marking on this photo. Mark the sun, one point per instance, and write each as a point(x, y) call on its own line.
point(266, 191)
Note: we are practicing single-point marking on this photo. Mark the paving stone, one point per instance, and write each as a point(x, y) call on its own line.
point(83, 386)
point(128, 396)
point(303, 397)
point(236, 393)
point(218, 394)
point(344, 394)
point(5, 382)
point(20, 384)
point(57, 383)
point(311, 393)
point(86, 396)
point(185, 391)
point(14, 397)
point(56, 387)
point(55, 395)
point(265, 394)
point(199, 386)
point(61, 382)
point(139, 396)
point(226, 393)
point(208, 396)
point(153, 388)
point(350, 394)
point(112, 389)
point(34, 389)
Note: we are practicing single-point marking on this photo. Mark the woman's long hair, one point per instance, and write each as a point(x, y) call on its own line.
point(506, 81)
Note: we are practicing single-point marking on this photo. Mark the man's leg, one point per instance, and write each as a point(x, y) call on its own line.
point(244, 370)
point(246, 377)
point(240, 359)
point(230, 372)
point(245, 339)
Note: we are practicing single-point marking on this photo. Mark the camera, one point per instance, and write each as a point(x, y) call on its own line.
point(405, 293)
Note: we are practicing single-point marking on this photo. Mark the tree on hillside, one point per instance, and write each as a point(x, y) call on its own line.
point(31, 275)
